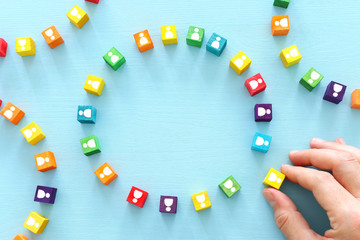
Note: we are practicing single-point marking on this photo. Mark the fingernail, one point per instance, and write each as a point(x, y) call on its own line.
point(293, 152)
point(269, 197)
point(284, 166)
point(317, 140)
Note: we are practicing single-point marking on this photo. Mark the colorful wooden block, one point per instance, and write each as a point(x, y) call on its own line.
point(168, 204)
point(240, 62)
point(86, 114)
point(106, 173)
point(255, 84)
point(12, 113)
point(169, 34)
point(311, 79)
point(3, 47)
point(281, 3)
point(143, 41)
point(52, 37)
point(77, 16)
point(355, 99)
point(334, 92)
point(36, 223)
point(90, 145)
point(45, 194)
point(94, 85)
point(261, 142)
point(33, 133)
point(216, 44)
point(263, 112)
point(0, 102)
point(114, 58)
point(25, 46)
point(45, 161)
point(201, 201)
point(280, 25)
point(20, 237)
point(195, 36)
point(93, 1)
point(274, 178)
point(290, 56)
point(137, 197)
point(229, 186)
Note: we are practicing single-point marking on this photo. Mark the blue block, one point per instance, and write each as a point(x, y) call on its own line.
point(216, 44)
point(261, 142)
point(86, 114)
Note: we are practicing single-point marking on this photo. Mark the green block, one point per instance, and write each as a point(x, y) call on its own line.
point(311, 79)
point(281, 3)
point(229, 186)
point(195, 36)
point(90, 145)
point(114, 58)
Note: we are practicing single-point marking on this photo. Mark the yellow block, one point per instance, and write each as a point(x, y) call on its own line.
point(274, 178)
point(77, 16)
point(240, 62)
point(169, 35)
point(32, 133)
point(201, 201)
point(290, 56)
point(36, 222)
point(94, 85)
point(25, 46)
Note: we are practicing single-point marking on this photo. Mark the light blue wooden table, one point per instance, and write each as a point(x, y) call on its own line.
point(175, 120)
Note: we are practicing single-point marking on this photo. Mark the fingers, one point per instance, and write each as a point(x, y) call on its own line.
point(322, 144)
point(327, 191)
point(344, 165)
point(288, 219)
point(340, 141)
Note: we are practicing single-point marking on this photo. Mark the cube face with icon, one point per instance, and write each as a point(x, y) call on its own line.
point(12, 113)
point(168, 204)
point(45, 194)
point(195, 36)
point(280, 25)
point(229, 186)
point(90, 145)
point(114, 58)
point(52, 37)
point(311, 79)
point(261, 142)
point(3, 47)
point(355, 99)
point(36, 223)
point(77, 16)
point(33, 133)
point(106, 174)
point(137, 197)
point(143, 41)
point(334, 92)
point(45, 161)
point(86, 114)
point(201, 201)
point(274, 178)
point(25, 46)
point(94, 85)
point(168, 34)
point(20, 237)
point(240, 62)
point(255, 84)
point(281, 3)
point(216, 44)
point(290, 56)
point(263, 112)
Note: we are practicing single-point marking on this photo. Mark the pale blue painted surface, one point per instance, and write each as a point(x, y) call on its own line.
point(175, 120)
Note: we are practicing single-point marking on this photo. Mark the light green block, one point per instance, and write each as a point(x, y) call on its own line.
point(90, 145)
point(311, 79)
point(230, 186)
point(114, 58)
point(195, 36)
point(281, 3)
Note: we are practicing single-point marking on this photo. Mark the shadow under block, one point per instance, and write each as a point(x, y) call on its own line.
point(311, 79)
point(290, 56)
point(355, 99)
point(45, 161)
point(94, 85)
point(280, 25)
point(12, 113)
point(195, 36)
point(3, 47)
point(52, 37)
point(33, 133)
point(143, 41)
point(25, 46)
point(169, 34)
point(201, 201)
point(77, 16)
point(114, 58)
point(90, 145)
point(36, 223)
point(274, 178)
point(106, 173)
point(216, 44)
point(229, 186)
point(240, 62)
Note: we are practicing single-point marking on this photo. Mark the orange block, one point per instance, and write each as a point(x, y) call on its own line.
point(280, 25)
point(12, 113)
point(106, 174)
point(355, 99)
point(45, 161)
point(20, 237)
point(143, 41)
point(52, 37)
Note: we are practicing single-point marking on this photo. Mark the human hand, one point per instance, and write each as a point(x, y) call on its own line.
point(338, 193)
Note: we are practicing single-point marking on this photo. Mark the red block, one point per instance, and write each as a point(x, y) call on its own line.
point(137, 197)
point(255, 84)
point(0, 102)
point(93, 1)
point(3, 47)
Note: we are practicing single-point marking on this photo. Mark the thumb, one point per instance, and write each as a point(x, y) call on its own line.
point(287, 218)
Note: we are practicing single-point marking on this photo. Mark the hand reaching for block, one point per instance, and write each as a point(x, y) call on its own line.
point(337, 193)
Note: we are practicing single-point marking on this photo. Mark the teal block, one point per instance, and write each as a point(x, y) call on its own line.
point(216, 44)
point(229, 186)
point(281, 3)
point(114, 58)
point(90, 145)
point(311, 79)
point(195, 36)
point(261, 142)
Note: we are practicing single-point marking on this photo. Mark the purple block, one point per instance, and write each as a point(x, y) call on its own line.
point(45, 194)
point(263, 112)
point(334, 92)
point(168, 204)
